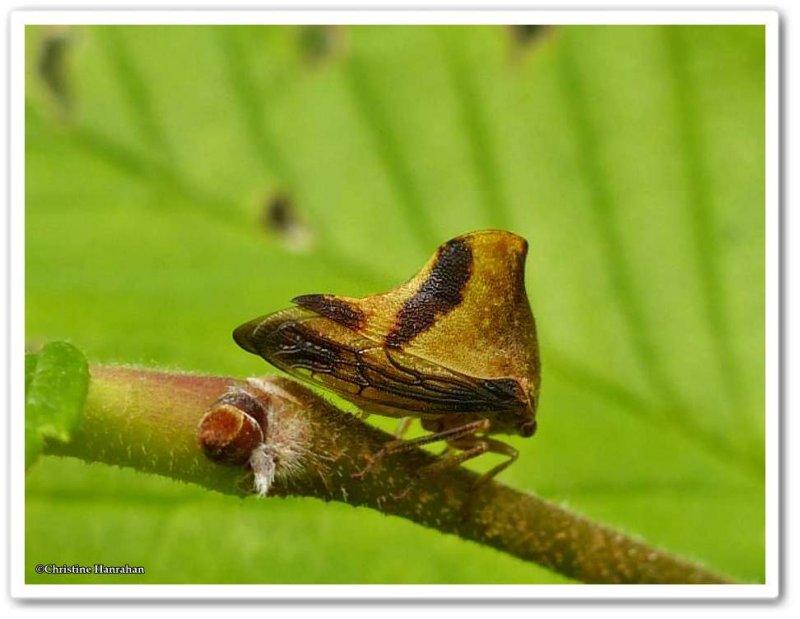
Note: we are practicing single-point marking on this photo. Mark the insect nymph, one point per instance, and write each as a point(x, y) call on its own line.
point(454, 346)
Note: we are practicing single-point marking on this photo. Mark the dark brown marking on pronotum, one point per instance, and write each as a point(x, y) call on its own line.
point(233, 428)
point(341, 311)
point(439, 294)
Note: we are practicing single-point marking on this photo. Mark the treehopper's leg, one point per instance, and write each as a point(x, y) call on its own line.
point(476, 448)
point(399, 445)
point(498, 447)
point(471, 447)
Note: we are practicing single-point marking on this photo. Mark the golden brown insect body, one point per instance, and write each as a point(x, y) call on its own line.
point(455, 346)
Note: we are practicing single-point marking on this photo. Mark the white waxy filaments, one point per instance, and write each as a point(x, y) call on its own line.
point(247, 427)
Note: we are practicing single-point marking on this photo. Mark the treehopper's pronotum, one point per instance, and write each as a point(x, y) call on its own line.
point(454, 346)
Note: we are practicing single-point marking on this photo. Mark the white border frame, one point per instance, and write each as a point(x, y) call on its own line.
point(18, 587)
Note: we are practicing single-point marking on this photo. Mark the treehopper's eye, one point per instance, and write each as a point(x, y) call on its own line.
point(527, 429)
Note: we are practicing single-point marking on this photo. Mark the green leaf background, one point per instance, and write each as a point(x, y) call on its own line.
point(56, 382)
point(630, 157)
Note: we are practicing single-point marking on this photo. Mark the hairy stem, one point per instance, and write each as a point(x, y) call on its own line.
point(149, 421)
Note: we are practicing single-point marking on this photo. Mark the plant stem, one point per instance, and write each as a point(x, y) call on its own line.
point(149, 421)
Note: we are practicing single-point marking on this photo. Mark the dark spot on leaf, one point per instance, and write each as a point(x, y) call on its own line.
point(279, 213)
point(318, 43)
point(526, 34)
point(53, 67)
point(280, 217)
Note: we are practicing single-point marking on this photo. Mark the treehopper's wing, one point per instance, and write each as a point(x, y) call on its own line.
point(459, 336)
point(376, 378)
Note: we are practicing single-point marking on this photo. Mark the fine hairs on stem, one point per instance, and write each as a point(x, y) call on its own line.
point(274, 437)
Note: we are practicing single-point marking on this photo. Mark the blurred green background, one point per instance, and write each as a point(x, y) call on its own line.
point(182, 180)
